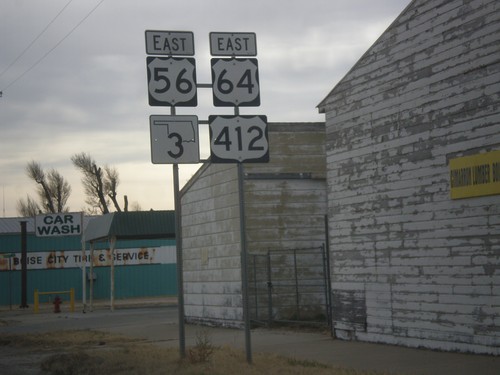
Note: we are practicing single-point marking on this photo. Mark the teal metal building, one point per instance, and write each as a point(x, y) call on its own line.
point(144, 261)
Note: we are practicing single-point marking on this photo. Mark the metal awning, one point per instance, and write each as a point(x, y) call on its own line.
point(131, 225)
point(115, 226)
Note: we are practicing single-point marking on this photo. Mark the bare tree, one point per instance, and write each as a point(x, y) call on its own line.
point(135, 206)
point(35, 171)
point(53, 192)
point(59, 189)
point(28, 207)
point(112, 181)
point(100, 184)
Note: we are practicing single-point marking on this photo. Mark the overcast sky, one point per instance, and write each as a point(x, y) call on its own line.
point(81, 86)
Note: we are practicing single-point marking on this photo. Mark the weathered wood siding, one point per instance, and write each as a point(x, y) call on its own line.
point(410, 265)
point(211, 247)
point(286, 198)
point(285, 205)
point(285, 210)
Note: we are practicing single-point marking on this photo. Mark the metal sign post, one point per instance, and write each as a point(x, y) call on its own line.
point(233, 139)
point(24, 268)
point(179, 258)
point(244, 275)
point(235, 83)
point(84, 272)
point(112, 245)
point(174, 139)
point(180, 278)
point(10, 281)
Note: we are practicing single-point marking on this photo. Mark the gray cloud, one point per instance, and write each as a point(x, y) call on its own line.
point(90, 93)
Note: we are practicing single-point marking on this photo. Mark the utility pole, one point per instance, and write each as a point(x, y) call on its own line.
point(24, 270)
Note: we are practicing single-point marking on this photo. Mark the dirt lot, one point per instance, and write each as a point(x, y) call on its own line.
point(94, 352)
point(144, 339)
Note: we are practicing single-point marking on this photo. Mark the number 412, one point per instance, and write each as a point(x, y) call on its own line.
point(255, 133)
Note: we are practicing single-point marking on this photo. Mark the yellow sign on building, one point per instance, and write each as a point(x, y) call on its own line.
point(475, 176)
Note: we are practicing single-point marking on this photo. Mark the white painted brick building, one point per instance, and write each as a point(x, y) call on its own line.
point(410, 265)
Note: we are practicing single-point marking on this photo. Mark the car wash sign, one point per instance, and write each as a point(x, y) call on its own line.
point(62, 224)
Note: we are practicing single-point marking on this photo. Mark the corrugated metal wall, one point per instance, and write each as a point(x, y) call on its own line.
point(143, 280)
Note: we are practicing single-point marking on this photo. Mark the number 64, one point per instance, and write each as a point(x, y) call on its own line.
point(225, 86)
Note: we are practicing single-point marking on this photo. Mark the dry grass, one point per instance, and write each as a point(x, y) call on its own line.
point(64, 339)
point(92, 352)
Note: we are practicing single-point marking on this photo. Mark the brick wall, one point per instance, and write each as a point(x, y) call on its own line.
point(410, 265)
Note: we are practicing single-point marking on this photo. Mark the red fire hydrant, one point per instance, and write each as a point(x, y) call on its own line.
point(57, 304)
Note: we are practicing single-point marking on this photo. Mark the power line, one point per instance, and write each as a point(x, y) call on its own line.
point(34, 40)
point(55, 46)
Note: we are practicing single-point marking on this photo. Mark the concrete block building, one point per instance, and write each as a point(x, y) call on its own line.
point(412, 157)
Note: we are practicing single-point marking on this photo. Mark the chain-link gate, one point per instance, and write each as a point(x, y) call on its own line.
point(289, 285)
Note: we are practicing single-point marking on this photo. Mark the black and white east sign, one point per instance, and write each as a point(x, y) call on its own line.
point(235, 82)
point(238, 139)
point(179, 43)
point(172, 81)
point(233, 44)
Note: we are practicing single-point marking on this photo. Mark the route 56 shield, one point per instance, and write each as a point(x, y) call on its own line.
point(172, 81)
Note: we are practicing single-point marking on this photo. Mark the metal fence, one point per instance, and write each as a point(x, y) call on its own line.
point(289, 285)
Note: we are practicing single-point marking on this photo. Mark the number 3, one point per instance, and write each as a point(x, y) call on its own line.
point(178, 143)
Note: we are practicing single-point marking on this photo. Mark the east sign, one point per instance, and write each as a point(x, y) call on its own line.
point(233, 44)
point(61, 224)
point(180, 43)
